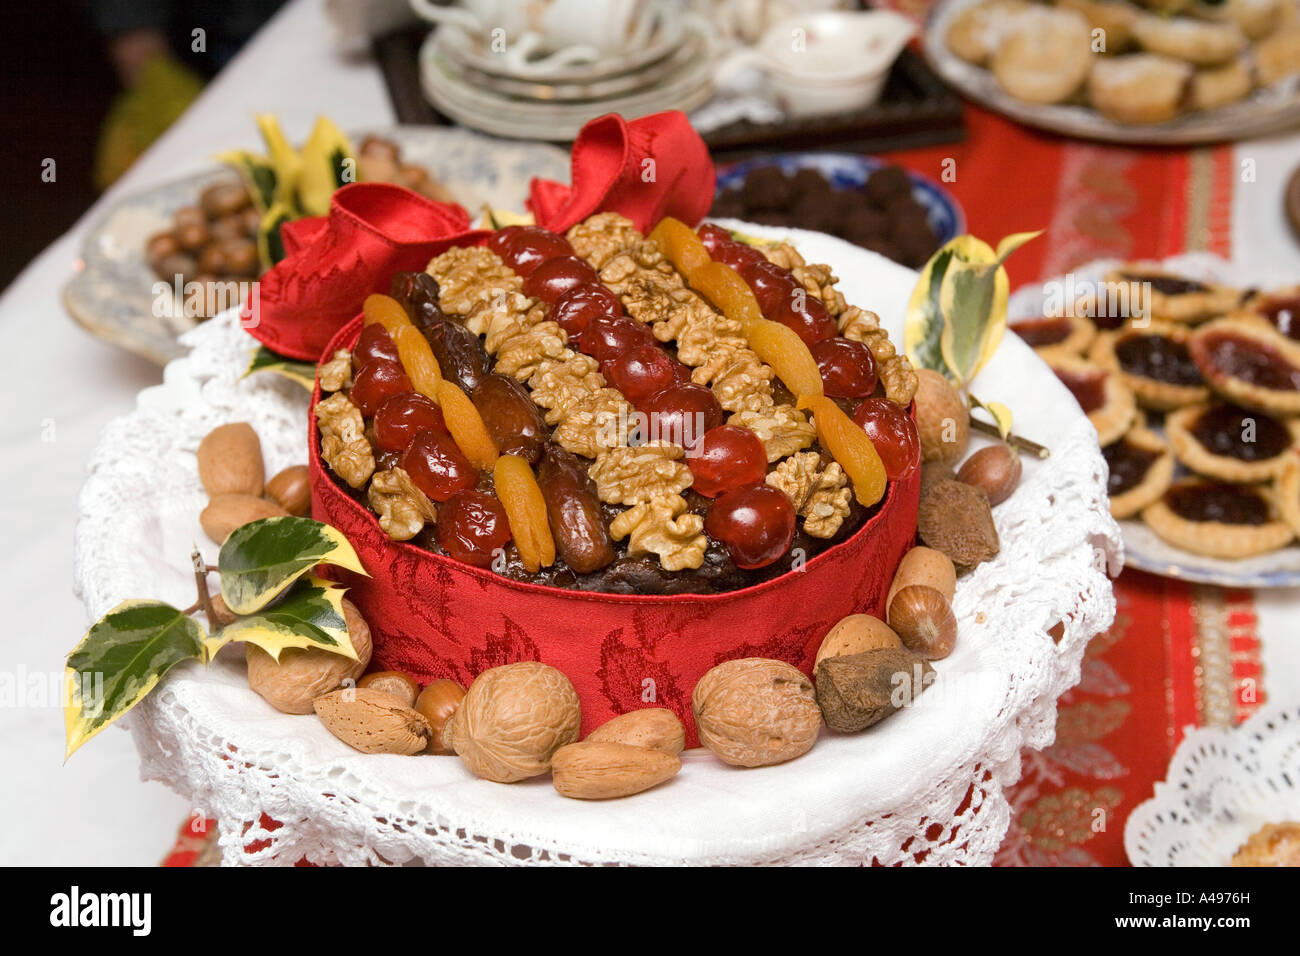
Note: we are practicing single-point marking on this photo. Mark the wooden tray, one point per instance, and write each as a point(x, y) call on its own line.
point(916, 109)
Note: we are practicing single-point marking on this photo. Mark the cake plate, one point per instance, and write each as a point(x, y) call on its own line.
point(927, 786)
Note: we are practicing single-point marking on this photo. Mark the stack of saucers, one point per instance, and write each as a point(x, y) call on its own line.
point(534, 97)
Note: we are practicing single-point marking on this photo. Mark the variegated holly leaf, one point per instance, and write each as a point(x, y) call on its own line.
point(264, 360)
point(923, 330)
point(310, 614)
point(1000, 413)
point(973, 300)
point(121, 658)
point(261, 559)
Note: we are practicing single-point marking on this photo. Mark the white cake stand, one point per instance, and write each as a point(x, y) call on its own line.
point(925, 786)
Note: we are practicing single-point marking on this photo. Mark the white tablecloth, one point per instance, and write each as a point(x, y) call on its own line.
point(62, 386)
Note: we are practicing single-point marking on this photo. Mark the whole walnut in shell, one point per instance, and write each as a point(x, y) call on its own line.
point(305, 673)
point(754, 712)
point(512, 721)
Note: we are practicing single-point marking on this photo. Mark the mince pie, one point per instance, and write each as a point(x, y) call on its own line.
point(1056, 333)
point(1102, 395)
point(1280, 308)
point(1250, 363)
point(1231, 443)
point(1218, 519)
point(1150, 292)
point(1287, 491)
point(1141, 469)
point(1154, 362)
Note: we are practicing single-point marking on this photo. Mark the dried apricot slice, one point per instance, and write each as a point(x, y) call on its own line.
point(730, 294)
point(466, 425)
point(681, 245)
point(385, 310)
point(525, 506)
point(418, 359)
point(850, 446)
point(780, 347)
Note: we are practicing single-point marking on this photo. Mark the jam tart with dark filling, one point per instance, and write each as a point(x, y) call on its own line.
point(1154, 362)
point(1150, 292)
point(1287, 490)
point(1231, 443)
point(1056, 333)
point(1102, 395)
point(1218, 519)
point(1141, 468)
point(1279, 308)
point(1250, 363)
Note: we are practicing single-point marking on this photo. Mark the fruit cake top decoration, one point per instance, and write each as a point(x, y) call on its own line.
point(667, 416)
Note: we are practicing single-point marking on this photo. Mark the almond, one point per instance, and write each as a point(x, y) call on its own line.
point(225, 513)
point(855, 634)
point(291, 489)
point(230, 461)
point(926, 566)
point(593, 770)
point(372, 721)
point(654, 728)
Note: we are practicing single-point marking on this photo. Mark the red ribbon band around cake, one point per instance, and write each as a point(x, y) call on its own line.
point(432, 616)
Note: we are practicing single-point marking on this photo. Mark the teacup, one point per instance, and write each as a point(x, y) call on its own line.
point(825, 63)
point(565, 32)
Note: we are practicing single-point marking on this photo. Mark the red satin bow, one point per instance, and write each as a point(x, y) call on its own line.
point(644, 169)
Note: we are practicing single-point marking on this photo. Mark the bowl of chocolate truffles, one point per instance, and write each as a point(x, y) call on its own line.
point(882, 207)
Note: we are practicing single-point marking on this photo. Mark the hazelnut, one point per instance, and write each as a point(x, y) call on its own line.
point(291, 489)
point(926, 566)
point(924, 621)
point(855, 634)
point(189, 216)
point(437, 702)
point(193, 236)
point(159, 247)
point(396, 683)
point(942, 418)
point(994, 470)
point(212, 259)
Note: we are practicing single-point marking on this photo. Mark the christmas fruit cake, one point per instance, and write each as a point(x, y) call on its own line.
point(611, 443)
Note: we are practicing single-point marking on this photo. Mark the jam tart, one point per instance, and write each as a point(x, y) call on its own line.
point(1056, 333)
point(1172, 297)
point(1141, 469)
point(1231, 443)
point(1103, 396)
point(1154, 362)
point(1279, 308)
point(1287, 490)
point(1218, 519)
point(1250, 363)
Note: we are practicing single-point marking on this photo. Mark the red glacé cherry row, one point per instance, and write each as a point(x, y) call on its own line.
point(728, 463)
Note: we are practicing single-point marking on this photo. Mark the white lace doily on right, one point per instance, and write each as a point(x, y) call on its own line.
point(1223, 785)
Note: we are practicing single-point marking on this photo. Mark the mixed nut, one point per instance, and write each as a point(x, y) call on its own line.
point(234, 476)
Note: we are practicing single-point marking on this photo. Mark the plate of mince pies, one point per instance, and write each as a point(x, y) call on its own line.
point(1147, 71)
point(1193, 385)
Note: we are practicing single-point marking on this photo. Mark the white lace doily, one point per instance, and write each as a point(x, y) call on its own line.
point(1224, 784)
point(925, 786)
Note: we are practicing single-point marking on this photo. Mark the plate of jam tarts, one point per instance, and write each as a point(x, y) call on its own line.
point(1147, 71)
point(1192, 379)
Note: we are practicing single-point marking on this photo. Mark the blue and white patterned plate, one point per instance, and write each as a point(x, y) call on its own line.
point(850, 171)
point(111, 295)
